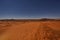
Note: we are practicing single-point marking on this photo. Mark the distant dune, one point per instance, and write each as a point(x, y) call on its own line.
point(30, 29)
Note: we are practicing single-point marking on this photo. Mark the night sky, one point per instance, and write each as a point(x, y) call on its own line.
point(29, 8)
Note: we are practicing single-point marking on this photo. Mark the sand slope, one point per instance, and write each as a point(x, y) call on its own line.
point(30, 30)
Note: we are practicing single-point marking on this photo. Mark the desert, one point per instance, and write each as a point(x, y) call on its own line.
point(39, 29)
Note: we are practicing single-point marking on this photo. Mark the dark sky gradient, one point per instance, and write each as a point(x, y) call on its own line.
point(29, 8)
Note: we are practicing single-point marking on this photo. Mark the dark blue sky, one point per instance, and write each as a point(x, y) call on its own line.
point(29, 8)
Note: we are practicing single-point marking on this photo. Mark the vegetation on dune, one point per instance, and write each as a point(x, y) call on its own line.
point(4, 27)
point(47, 33)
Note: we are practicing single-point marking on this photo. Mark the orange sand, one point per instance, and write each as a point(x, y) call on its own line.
point(29, 30)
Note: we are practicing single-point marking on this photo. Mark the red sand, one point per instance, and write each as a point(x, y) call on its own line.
point(30, 30)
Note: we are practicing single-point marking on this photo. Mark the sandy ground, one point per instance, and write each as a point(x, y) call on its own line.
point(30, 30)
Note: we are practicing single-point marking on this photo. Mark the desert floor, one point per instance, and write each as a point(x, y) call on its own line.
point(30, 30)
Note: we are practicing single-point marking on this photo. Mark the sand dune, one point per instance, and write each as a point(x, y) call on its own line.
point(30, 30)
